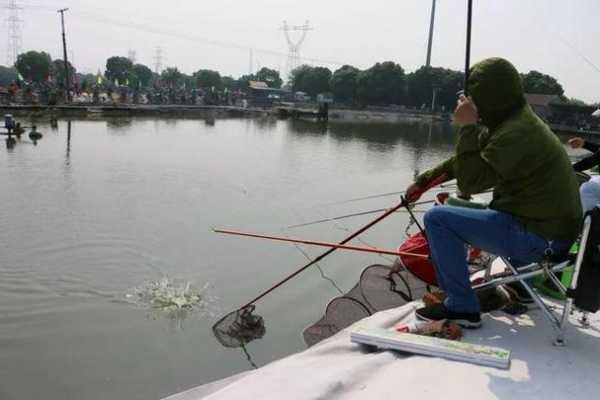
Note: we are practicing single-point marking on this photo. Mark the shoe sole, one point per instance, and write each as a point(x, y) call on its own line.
point(464, 323)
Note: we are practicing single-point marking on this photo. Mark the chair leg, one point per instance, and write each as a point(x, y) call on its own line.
point(587, 223)
point(554, 321)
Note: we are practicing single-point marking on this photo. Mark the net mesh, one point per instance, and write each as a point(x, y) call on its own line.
point(380, 287)
point(239, 328)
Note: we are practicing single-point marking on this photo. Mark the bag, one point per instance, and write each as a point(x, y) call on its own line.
point(587, 293)
point(420, 267)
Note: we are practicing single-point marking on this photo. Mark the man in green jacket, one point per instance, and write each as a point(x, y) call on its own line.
point(535, 209)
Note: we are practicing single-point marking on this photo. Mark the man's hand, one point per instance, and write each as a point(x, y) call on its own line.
point(465, 112)
point(576, 142)
point(413, 193)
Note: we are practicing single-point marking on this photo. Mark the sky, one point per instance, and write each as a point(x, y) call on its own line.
point(556, 37)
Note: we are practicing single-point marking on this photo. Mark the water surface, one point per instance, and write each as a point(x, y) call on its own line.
point(100, 211)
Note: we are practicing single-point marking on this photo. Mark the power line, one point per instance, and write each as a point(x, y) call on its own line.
point(158, 60)
point(294, 46)
point(132, 56)
point(13, 48)
point(153, 28)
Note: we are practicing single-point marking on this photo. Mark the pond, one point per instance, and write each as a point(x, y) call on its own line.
point(110, 274)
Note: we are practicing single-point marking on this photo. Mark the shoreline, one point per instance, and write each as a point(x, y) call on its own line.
point(210, 112)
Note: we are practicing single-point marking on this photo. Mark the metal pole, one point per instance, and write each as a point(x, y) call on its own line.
point(468, 49)
point(428, 62)
point(66, 60)
point(433, 99)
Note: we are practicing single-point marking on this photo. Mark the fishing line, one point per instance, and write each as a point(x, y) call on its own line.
point(358, 238)
point(301, 250)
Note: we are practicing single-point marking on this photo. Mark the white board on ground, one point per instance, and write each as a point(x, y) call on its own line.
point(431, 346)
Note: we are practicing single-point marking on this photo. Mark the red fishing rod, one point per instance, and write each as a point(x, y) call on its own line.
point(321, 243)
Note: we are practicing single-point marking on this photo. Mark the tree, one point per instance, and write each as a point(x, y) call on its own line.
point(119, 69)
point(538, 83)
point(189, 81)
point(34, 66)
point(244, 79)
point(311, 80)
point(270, 76)
point(227, 82)
point(207, 78)
point(171, 76)
point(142, 75)
point(382, 84)
point(343, 84)
point(7, 75)
point(86, 81)
point(57, 69)
point(423, 82)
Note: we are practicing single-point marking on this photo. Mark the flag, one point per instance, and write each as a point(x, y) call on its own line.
point(20, 77)
point(126, 82)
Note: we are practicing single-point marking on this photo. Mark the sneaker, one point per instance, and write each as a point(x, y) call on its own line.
point(438, 312)
point(519, 293)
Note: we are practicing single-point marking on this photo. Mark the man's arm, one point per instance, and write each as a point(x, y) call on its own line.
point(446, 167)
point(587, 163)
point(473, 171)
point(589, 146)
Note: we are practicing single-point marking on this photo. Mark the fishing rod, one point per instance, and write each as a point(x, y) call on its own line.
point(320, 243)
point(376, 196)
point(352, 215)
point(468, 45)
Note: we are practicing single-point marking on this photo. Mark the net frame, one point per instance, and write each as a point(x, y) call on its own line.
point(239, 328)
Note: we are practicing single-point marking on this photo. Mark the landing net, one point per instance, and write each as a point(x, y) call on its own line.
point(380, 287)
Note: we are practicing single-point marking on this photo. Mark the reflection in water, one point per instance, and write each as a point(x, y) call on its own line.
point(68, 155)
point(382, 138)
point(119, 125)
point(307, 126)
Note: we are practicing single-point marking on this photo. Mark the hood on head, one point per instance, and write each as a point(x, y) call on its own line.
point(496, 88)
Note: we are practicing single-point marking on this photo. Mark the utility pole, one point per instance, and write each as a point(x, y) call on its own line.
point(251, 63)
point(14, 32)
point(428, 62)
point(132, 56)
point(158, 61)
point(294, 46)
point(64, 39)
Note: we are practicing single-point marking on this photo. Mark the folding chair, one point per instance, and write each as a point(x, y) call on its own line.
point(550, 267)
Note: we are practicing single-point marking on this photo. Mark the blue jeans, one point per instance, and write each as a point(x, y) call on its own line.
point(450, 228)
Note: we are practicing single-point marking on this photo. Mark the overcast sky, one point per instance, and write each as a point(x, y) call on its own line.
point(557, 37)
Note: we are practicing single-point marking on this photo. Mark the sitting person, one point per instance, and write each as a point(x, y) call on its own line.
point(535, 209)
point(590, 190)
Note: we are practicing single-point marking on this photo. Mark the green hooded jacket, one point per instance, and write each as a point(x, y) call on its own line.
point(516, 153)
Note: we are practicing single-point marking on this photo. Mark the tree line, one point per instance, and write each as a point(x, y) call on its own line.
point(385, 83)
